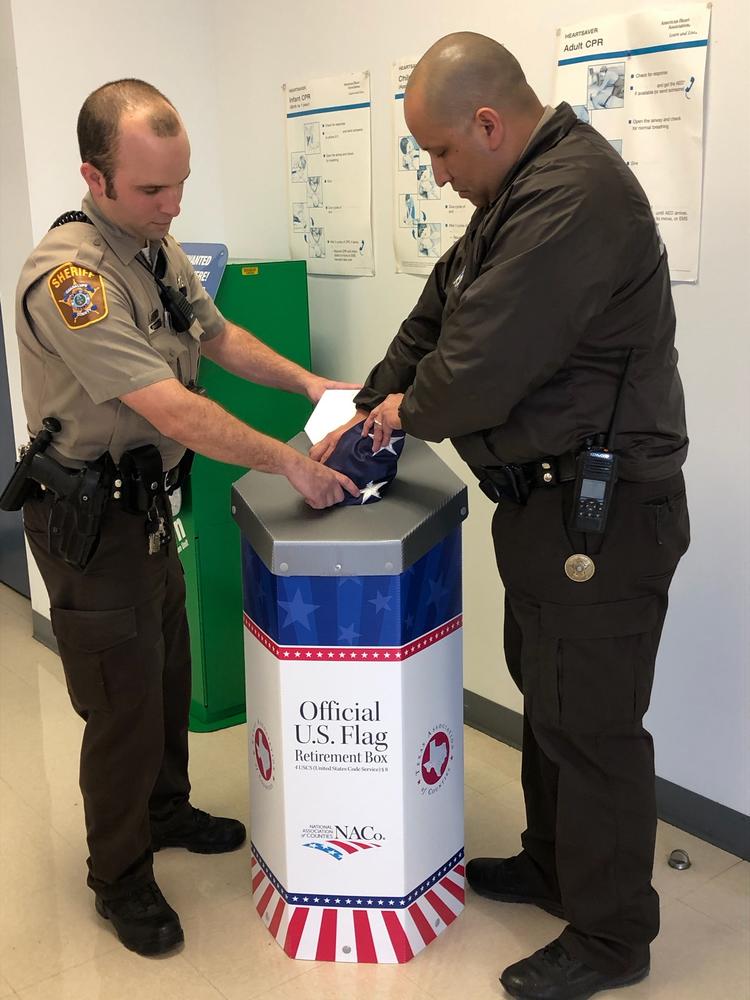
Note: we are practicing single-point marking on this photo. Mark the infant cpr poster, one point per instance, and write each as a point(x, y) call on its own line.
point(329, 174)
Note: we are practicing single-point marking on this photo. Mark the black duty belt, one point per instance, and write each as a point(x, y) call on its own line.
point(515, 482)
point(137, 491)
point(125, 487)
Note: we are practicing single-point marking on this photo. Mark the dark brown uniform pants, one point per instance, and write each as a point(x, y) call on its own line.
point(123, 637)
point(583, 656)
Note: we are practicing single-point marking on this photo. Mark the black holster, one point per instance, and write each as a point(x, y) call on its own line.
point(142, 478)
point(75, 520)
point(143, 489)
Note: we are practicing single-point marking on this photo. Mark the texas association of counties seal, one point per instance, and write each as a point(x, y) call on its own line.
point(263, 756)
point(434, 759)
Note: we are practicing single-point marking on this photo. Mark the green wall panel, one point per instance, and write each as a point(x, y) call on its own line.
point(269, 299)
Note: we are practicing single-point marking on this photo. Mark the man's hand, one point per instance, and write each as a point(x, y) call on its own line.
point(321, 487)
point(316, 385)
point(202, 425)
point(383, 420)
point(323, 450)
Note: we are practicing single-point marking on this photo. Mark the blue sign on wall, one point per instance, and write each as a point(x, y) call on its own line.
point(209, 261)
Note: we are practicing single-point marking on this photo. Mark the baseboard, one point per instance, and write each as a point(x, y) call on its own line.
point(715, 823)
point(41, 629)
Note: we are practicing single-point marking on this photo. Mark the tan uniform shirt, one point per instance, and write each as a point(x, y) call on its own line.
point(91, 327)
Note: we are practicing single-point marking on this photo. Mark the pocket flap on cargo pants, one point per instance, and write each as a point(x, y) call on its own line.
point(94, 631)
point(599, 621)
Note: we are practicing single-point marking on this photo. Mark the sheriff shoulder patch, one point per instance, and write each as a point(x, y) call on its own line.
point(79, 295)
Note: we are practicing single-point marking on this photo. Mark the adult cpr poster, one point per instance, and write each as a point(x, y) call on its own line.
point(639, 79)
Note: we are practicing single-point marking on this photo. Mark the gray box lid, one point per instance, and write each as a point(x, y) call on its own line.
point(425, 503)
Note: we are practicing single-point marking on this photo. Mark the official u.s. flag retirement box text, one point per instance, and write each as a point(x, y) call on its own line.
point(355, 712)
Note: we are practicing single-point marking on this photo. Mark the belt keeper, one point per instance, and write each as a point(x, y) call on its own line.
point(519, 483)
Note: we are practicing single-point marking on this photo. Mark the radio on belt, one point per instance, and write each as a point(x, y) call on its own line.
point(596, 472)
point(595, 480)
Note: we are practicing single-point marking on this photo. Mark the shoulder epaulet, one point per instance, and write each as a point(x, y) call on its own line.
point(74, 216)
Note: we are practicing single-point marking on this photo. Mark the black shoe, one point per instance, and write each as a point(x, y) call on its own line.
point(553, 974)
point(202, 834)
point(144, 920)
point(505, 879)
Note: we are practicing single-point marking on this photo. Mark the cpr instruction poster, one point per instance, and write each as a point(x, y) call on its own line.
point(329, 174)
point(428, 219)
point(639, 79)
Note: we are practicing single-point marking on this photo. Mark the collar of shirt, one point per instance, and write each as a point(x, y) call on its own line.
point(554, 124)
point(125, 246)
point(546, 115)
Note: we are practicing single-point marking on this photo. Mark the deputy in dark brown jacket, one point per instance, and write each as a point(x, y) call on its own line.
point(515, 352)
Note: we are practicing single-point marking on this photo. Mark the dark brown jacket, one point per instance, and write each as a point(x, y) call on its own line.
point(517, 343)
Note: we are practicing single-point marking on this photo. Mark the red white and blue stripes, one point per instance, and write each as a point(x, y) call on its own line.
point(358, 654)
point(365, 929)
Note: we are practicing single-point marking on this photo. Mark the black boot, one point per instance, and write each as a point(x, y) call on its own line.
point(201, 833)
point(144, 920)
point(552, 974)
point(511, 880)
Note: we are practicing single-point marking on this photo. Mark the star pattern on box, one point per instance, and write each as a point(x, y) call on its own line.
point(368, 611)
point(297, 611)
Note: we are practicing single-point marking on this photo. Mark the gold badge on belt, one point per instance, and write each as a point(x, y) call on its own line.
point(579, 568)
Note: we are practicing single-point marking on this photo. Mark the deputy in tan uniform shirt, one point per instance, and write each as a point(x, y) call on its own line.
point(100, 353)
point(121, 340)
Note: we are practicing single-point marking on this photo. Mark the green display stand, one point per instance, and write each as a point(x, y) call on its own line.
point(270, 299)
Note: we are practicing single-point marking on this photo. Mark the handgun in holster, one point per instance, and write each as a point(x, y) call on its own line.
point(80, 496)
point(75, 520)
point(23, 484)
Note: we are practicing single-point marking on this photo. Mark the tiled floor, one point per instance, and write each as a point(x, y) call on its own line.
point(54, 947)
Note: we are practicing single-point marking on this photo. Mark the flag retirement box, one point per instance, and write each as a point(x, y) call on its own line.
point(355, 712)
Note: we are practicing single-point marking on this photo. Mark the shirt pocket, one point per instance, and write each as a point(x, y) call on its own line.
point(179, 350)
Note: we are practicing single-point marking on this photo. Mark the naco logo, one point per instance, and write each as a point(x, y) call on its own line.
point(340, 842)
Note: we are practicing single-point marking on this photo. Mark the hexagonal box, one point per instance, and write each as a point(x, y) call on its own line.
point(353, 659)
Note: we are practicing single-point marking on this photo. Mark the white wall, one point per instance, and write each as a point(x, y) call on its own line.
point(15, 220)
point(15, 229)
point(224, 67)
point(60, 61)
point(700, 707)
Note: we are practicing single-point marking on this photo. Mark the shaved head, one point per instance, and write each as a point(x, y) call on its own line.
point(468, 105)
point(465, 71)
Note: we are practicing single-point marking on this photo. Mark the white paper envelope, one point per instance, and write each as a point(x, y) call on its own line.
point(335, 407)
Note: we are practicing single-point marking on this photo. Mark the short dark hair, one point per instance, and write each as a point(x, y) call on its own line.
point(99, 121)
